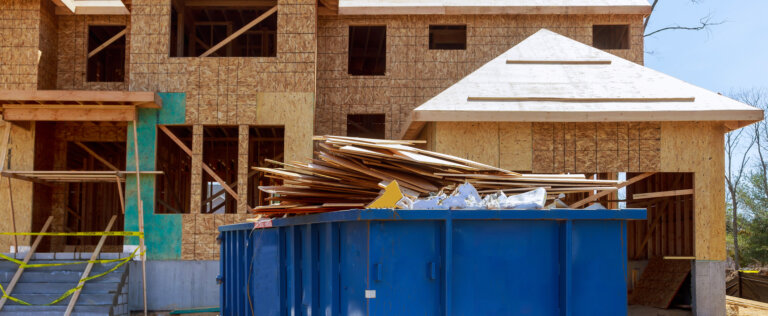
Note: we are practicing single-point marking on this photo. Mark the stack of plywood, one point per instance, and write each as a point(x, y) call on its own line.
point(350, 172)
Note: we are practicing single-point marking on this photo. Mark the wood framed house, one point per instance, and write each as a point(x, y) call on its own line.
point(196, 92)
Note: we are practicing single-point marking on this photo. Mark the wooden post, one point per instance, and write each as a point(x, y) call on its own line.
point(141, 217)
point(89, 267)
point(17, 276)
point(13, 216)
point(120, 193)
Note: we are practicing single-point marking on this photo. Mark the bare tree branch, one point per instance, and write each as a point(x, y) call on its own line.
point(704, 23)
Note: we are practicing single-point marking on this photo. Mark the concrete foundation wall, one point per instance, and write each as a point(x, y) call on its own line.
point(174, 284)
point(708, 287)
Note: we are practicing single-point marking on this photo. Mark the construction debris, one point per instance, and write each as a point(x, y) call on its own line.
point(351, 172)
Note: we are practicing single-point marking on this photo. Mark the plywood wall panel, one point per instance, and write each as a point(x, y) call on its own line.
point(21, 157)
point(19, 29)
point(73, 52)
point(698, 147)
point(415, 73)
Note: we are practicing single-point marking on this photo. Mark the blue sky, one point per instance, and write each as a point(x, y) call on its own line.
point(729, 56)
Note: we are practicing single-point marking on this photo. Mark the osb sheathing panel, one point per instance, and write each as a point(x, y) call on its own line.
point(199, 231)
point(293, 111)
point(48, 45)
point(21, 150)
point(607, 147)
point(414, 73)
point(503, 144)
point(596, 147)
point(219, 89)
point(698, 147)
point(73, 52)
point(19, 25)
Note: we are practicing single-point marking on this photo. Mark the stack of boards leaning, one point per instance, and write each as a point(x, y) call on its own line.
point(350, 172)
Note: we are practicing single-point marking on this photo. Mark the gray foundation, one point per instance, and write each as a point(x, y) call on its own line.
point(174, 284)
point(708, 287)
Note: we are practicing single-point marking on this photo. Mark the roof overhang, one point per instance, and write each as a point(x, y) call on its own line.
point(551, 78)
point(454, 7)
point(67, 105)
point(91, 7)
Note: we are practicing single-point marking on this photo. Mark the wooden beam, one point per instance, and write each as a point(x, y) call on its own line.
point(142, 99)
point(597, 196)
point(577, 100)
point(13, 216)
point(240, 31)
point(640, 196)
point(559, 62)
point(140, 205)
point(120, 193)
point(17, 275)
point(89, 267)
point(44, 112)
point(106, 43)
point(95, 155)
point(205, 166)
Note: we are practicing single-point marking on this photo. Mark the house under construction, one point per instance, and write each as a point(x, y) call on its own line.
point(148, 115)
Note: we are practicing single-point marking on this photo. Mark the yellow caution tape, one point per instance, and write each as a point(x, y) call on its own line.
point(72, 290)
point(750, 271)
point(69, 292)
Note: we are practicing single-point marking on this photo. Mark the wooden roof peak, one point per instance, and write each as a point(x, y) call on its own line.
point(553, 78)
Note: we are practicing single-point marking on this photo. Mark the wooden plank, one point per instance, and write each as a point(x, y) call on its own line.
point(120, 194)
point(205, 166)
point(89, 267)
point(595, 197)
point(140, 98)
point(640, 196)
point(240, 31)
point(660, 282)
point(141, 216)
point(578, 100)
point(107, 43)
point(561, 62)
point(69, 113)
point(13, 216)
point(97, 156)
point(17, 275)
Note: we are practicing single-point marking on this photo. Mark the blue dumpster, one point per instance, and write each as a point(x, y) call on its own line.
point(458, 262)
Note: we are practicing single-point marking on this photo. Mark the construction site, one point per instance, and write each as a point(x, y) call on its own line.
point(140, 138)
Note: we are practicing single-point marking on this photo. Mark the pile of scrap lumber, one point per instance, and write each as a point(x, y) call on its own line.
point(350, 172)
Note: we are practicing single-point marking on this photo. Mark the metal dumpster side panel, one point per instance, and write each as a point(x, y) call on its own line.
point(505, 267)
point(593, 258)
point(406, 284)
point(428, 263)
